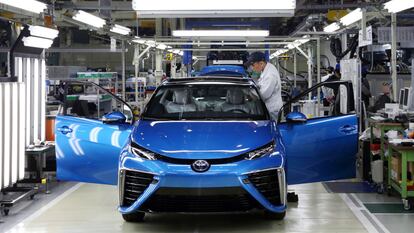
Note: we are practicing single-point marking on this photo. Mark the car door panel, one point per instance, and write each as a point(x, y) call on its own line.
point(320, 149)
point(88, 150)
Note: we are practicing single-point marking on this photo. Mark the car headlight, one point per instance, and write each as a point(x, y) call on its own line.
point(260, 152)
point(140, 152)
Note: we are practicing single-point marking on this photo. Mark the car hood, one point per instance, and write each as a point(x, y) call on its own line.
point(202, 139)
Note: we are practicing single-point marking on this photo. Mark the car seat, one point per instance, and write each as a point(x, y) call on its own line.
point(181, 102)
point(235, 100)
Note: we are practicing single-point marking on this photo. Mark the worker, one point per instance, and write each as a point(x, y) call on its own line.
point(151, 81)
point(327, 92)
point(269, 83)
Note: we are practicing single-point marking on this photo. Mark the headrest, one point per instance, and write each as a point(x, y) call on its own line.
point(181, 96)
point(235, 97)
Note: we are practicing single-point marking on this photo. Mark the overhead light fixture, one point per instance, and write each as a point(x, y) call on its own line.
point(297, 43)
point(332, 27)
point(37, 42)
point(163, 46)
point(352, 17)
point(278, 53)
point(220, 33)
point(44, 32)
point(120, 29)
point(28, 5)
point(213, 8)
point(90, 19)
point(139, 41)
point(395, 6)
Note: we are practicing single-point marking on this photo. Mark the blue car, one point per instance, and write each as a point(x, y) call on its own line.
point(223, 71)
point(207, 145)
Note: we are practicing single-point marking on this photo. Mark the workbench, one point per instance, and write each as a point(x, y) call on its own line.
point(383, 127)
point(407, 155)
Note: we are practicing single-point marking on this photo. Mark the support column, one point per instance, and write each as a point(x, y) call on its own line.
point(136, 64)
point(318, 68)
point(310, 70)
point(294, 67)
point(123, 69)
point(173, 66)
point(394, 55)
point(158, 53)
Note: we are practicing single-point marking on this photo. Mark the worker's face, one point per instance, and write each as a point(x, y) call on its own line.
point(259, 66)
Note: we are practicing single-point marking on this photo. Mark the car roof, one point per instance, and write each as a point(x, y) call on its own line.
point(223, 71)
point(209, 80)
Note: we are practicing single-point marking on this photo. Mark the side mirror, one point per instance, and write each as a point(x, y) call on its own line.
point(296, 117)
point(114, 118)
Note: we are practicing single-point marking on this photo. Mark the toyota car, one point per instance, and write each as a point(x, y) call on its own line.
point(207, 144)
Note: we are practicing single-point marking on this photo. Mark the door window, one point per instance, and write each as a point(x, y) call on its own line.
point(322, 100)
point(89, 100)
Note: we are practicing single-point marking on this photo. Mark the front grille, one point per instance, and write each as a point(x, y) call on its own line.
point(168, 159)
point(267, 183)
point(200, 200)
point(135, 184)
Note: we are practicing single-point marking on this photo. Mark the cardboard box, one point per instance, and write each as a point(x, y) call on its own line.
point(396, 167)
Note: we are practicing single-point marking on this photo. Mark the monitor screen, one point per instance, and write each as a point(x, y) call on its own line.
point(401, 99)
point(406, 94)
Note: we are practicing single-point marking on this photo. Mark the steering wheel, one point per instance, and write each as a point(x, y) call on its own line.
point(237, 110)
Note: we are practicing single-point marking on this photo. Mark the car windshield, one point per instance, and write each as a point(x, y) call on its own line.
point(206, 102)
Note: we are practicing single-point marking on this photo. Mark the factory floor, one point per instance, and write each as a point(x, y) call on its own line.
point(76, 208)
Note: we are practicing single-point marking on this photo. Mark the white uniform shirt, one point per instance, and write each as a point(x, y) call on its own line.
point(327, 92)
point(270, 88)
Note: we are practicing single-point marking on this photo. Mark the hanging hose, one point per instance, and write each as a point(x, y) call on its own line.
point(290, 72)
point(336, 48)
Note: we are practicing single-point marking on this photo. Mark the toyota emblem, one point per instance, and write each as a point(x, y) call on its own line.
point(200, 166)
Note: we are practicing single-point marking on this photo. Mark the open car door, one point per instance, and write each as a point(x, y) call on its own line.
point(88, 143)
point(320, 142)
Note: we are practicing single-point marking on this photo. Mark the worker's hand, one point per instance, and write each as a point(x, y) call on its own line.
point(330, 99)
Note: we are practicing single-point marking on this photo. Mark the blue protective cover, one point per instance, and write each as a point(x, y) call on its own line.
point(223, 70)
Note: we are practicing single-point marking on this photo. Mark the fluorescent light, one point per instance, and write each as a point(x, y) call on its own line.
point(163, 46)
point(214, 8)
point(42, 100)
point(332, 27)
point(22, 126)
point(37, 42)
point(90, 19)
point(2, 111)
point(139, 41)
point(28, 5)
point(395, 6)
point(6, 134)
point(352, 17)
point(14, 133)
point(44, 32)
point(28, 82)
point(120, 29)
point(220, 33)
point(297, 43)
point(36, 100)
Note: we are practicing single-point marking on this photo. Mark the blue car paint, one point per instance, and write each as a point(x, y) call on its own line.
point(90, 146)
point(223, 70)
point(312, 151)
point(320, 149)
point(202, 139)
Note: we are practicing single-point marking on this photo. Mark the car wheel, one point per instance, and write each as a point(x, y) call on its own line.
point(275, 216)
point(134, 217)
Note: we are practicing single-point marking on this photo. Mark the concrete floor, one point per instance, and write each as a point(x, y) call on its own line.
point(93, 208)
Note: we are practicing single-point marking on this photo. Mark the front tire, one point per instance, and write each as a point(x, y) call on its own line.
point(134, 217)
point(274, 216)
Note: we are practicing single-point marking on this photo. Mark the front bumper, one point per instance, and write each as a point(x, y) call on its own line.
point(163, 187)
